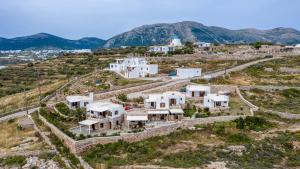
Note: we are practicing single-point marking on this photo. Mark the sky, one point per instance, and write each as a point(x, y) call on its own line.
point(75, 19)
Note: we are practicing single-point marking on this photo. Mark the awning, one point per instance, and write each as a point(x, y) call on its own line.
point(158, 112)
point(176, 111)
point(88, 122)
point(137, 118)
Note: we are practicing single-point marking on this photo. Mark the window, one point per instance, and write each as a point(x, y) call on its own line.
point(162, 105)
point(101, 125)
point(116, 112)
point(92, 112)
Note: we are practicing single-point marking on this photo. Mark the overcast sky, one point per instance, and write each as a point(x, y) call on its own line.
point(105, 18)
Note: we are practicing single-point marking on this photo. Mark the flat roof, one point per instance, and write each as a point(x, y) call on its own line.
point(197, 88)
point(88, 122)
point(137, 118)
point(78, 98)
point(176, 111)
point(158, 112)
point(103, 106)
point(218, 98)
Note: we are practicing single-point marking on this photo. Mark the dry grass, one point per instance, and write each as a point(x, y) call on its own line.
point(11, 137)
point(12, 102)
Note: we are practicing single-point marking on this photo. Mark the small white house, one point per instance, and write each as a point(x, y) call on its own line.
point(216, 101)
point(133, 67)
point(184, 73)
point(105, 115)
point(174, 44)
point(167, 100)
point(75, 102)
point(203, 44)
point(197, 90)
point(159, 49)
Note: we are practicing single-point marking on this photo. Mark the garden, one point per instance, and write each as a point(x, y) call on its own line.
point(238, 143)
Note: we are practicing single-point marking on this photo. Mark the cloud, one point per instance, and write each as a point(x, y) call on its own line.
point(105, 18)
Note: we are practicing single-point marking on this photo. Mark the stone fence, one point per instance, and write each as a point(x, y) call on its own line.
point(83, 145)
point(252, 106)
point(26, 153)
point(68, 141)
point(284, 114)
point(127, 90)
point(267, 88)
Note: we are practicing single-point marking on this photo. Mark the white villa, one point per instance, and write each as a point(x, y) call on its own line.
point(197, 90)
point(203, 44)
point(74, 102)
point(184, 73)
point(133, 67)
point(166, 106)
point(173, 45)
point(103, 115)
point(212, 101)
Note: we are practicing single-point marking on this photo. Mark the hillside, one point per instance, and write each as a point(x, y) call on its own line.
point(154, 35)
point(47, 41)
point(193, 31)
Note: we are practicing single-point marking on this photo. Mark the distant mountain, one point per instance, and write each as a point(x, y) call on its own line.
point(156, 34)
point(192, 31)
point(47, 41)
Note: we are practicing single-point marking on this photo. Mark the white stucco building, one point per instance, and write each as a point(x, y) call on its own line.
point(174, 44)
point(197, 90)
point(184, 73)
point(165, 106)
point(76, 101)
point(133, 67)
point(159, 49)
point(167, 100)
point(216, 101)
point(203, 44)
point(103, 116)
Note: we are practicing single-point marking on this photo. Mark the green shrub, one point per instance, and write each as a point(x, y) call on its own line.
point(253, 123)
point(63, 108)
point(122, 97)
point(14, 160)
point(238, 138)
point(218, 128)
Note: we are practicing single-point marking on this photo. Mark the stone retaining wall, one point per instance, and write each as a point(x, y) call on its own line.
point(26, 153)
point(252, 106)
point(68, 141)
point(284, 115)
point(83, 145)
point(267, 88)
point(127, 90)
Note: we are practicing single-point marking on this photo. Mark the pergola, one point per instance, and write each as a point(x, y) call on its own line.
point(88, 123)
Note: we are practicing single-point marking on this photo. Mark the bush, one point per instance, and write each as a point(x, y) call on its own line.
point(218, 128)
point(63, 108)
point(122, 97)
point(253, 123)
point(238, 138)
point(14, 160)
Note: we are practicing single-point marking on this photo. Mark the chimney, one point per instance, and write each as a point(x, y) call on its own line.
point(91, 95)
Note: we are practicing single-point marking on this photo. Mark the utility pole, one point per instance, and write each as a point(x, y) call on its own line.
point(39, 86)
point(26, 101)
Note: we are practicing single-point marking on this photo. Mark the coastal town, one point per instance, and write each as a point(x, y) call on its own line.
point(158, 103)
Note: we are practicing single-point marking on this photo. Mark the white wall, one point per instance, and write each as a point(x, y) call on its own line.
point(183, 73)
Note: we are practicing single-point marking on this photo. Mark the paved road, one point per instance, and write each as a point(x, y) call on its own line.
point(170, 83)
point(18, 114)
